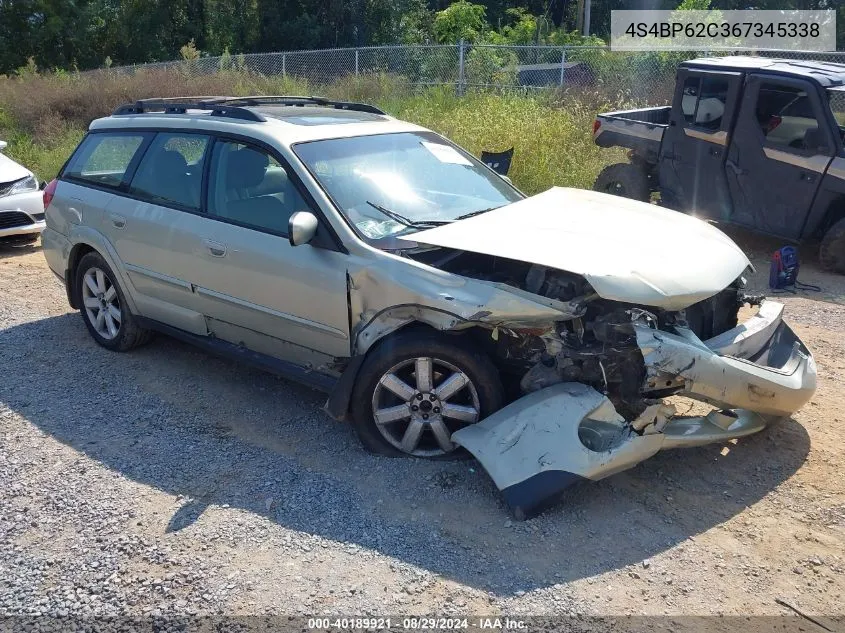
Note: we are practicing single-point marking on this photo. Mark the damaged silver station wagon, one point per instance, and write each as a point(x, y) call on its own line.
point(438, 306)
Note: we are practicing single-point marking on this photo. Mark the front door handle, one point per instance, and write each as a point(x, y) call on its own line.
point(807, 176)
point(118, 220)
point(736, 168)
point(215, 248)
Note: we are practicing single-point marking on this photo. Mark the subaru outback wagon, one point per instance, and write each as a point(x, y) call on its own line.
point(436, 304)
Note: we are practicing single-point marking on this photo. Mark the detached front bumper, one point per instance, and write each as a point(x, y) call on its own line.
point(22, 214)
point(554, 437)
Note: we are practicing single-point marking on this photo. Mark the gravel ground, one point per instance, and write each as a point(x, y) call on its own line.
point(166, 481)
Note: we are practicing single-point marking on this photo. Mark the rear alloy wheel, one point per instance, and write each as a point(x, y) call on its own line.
point(101, 303)
point(416, 389)
point(104, 308)
point(624, 179)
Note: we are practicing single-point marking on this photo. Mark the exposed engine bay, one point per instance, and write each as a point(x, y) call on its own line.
point(599, 346)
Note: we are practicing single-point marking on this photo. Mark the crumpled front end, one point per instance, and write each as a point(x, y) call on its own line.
point(563, 431)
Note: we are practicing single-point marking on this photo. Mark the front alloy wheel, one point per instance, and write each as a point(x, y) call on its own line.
point(101, 303)
point(418, 404)
point(416, 388)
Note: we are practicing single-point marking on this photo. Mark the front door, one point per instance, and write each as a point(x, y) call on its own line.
point(778, 154)
point(289, 302)
point(692, 154)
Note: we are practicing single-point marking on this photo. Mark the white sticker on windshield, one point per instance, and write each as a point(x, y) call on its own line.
point(446, 154)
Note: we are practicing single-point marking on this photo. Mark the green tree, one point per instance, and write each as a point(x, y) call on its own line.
point(461, 20)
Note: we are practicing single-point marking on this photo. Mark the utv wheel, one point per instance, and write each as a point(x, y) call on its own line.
point(624, 179)
point(415, 390)
point(104, 307)
point(832, 249)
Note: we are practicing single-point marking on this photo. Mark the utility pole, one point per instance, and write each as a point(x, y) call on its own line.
point(579, 17)
point(587, 8)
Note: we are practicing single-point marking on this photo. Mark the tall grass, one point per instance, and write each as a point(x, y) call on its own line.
point(43, 117)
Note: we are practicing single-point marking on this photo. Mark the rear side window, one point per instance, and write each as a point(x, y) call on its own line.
point(171, 171)
point(703, 102)
point(103, 159)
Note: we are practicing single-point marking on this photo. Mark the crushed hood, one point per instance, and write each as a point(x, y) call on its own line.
point(10, 170)
point(627, 250)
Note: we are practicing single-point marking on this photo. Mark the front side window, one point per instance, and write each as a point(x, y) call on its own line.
point(103, 158)
point(250, 187)
point(703, 102)
point(171, 171)
point(386, 184)
point(786, 117)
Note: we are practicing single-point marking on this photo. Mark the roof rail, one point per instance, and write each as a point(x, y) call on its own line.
point(180, 105)
point(236, 107)
point(301, 100)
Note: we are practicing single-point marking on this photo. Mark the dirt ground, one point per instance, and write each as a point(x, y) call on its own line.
point(166, 480)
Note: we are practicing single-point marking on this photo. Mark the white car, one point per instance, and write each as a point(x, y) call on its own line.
point(21, 203)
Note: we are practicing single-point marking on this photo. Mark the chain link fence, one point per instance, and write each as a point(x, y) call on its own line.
point(642, 76)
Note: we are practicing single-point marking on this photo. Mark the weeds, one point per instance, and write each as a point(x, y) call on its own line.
point(43, 116)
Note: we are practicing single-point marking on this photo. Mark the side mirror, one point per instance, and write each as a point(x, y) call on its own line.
point(3, 145)
point(302, 227)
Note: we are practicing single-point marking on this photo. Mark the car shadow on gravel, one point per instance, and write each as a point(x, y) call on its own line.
point(216, 434)
point(8, 251)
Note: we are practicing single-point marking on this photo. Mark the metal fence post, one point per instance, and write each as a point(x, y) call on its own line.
point(562, 64)
point(356, 62)
point(284, 65)
point(461, 79)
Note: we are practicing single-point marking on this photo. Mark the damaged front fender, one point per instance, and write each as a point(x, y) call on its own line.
point(382, 301)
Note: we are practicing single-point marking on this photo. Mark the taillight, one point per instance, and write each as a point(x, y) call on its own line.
point(49, 192)
point(596, 126)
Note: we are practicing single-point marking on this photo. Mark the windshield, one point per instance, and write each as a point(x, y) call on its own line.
point(837, 104)
point(389, 183)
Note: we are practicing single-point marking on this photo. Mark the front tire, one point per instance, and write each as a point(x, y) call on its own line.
point(104, 308)
point(416, 389)
point(832, 248)
point(624, 179)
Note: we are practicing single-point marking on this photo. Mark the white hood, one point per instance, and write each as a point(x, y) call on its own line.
point(627, 250)
point(11, 171)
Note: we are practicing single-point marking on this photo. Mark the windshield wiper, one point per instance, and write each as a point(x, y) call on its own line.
point(401, 219)
point(474, 213)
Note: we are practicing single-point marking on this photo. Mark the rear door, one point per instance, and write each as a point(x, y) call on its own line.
point(155, 227)
point(779, 152)
point(693, 152)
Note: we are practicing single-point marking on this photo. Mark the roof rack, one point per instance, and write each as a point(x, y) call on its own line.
point(235, 107)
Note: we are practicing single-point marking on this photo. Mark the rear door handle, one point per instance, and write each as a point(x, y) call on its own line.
point(118, 220)
point(806, 176)
point(215, 248)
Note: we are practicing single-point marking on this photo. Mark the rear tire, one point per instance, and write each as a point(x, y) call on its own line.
point(624, 179)
point(832, 249)
point(419, 365)
point(103, 306)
